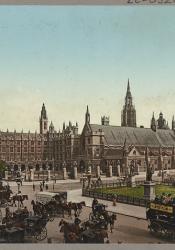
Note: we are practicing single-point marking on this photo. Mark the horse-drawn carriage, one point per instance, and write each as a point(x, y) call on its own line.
point(76, 233)
point(33, 226)
point(161, 219)
point(98, 216)
point(50, 204)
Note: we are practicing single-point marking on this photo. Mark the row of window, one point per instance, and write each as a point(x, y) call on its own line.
point(18, 149)
point(22, 142)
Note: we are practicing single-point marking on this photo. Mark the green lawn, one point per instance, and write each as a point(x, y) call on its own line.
point(136, 191)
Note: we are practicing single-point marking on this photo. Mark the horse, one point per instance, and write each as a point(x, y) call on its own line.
point(72, 231)
point(77, 207)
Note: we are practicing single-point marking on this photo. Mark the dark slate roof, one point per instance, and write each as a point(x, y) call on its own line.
point(115, 135)
point(113, 154)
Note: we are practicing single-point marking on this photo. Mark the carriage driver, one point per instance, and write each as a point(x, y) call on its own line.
point(94, 203)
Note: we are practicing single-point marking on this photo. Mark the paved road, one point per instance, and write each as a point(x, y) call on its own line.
point(127, 229)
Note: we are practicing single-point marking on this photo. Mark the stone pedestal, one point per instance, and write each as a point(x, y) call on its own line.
point(131, 181)
point(75, 175)
point(48, 174)
point(110, 171)
point(6, 175)
point(98, 171)
point(32, 174)
point(64, 174)
point(149, 190)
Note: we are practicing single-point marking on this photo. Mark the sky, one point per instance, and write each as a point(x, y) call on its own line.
point(72, 56)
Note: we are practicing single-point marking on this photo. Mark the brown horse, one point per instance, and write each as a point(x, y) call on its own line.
point(71, 231)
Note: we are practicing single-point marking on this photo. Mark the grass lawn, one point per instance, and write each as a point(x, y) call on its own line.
point(136, 191)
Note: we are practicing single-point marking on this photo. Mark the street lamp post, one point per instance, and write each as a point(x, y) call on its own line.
point(54, 180)
point(18, 181)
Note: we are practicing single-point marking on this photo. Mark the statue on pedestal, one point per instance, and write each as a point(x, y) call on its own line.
point(149, 170)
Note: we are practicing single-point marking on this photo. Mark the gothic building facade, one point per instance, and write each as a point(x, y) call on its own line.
point(124, 146)
point(98, 144)
point(47, 149)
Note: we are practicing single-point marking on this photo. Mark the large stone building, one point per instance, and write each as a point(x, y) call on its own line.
point(45, 150)
point(101, 145)
point(124, 146)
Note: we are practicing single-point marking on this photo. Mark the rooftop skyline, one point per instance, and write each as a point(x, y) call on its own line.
point(71, 56)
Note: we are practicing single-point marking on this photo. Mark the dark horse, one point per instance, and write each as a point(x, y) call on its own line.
point(77, 207)
point(72, 232)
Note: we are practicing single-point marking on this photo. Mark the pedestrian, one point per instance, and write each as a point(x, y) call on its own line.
point(43, 183)
point(47, 187)
point(114, 200)
point(112, 220)
point(33, 187)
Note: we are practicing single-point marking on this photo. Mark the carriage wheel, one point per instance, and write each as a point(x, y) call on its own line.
point(156, 228)
point(41, 235)
point(164, 232)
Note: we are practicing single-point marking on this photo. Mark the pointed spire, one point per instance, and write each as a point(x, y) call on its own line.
point(63, 125)
point(76, 124)
point(87, 111)
point(153, 123)
point(128, 98)
point(43, 112)
point(128, 86)
point(87, 116)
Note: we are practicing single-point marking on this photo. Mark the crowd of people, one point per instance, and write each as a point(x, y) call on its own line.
point(167, 199)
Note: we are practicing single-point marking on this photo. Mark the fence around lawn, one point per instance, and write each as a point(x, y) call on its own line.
point(121, 198)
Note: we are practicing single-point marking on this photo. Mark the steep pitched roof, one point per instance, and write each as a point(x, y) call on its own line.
point(115, 135)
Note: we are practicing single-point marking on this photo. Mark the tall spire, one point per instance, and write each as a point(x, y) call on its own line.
point(43, 112)
point(128, 98)
point(153, 123)
point(128, 87)
point(87, 116)
point(128, 117)
point(43, 120)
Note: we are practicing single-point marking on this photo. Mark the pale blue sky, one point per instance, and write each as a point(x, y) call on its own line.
point(69, 57)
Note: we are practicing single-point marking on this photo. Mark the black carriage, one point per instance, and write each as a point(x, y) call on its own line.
point(161, 219)
point(97, 210)
point(93, 236)
point(35, 226)
point(97, 218)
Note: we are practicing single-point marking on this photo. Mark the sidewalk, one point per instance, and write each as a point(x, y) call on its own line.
point(30, 183)
point(121, 208)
